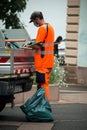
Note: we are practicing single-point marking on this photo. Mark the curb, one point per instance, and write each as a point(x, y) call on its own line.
point(23, 97)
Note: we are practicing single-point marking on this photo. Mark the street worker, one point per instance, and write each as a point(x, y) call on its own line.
point(56, 43)
point(43, 51)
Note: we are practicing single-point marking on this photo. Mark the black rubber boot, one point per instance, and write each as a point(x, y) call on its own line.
point(38, 86)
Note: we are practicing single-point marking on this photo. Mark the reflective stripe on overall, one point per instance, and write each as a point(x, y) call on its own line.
point(45, 57)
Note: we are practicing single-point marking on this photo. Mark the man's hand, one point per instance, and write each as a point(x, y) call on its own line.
point(33, 45)
point(36, 45)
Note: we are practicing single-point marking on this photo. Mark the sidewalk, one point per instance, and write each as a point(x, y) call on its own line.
point(71, 111)
point(73, 94)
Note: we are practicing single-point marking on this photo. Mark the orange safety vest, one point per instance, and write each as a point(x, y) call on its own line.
point(44, 57)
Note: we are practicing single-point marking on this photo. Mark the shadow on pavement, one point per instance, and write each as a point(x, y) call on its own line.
point(14, 114)
point(8, 127)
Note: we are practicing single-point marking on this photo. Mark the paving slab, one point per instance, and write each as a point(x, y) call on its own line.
point(36, 126)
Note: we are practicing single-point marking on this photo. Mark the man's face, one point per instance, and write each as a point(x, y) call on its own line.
point(36, 22)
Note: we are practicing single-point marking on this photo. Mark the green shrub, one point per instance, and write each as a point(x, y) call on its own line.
point(58, 74)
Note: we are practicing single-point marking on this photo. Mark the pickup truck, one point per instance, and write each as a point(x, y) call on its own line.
point(16, 65)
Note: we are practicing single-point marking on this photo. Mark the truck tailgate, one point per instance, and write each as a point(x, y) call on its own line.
point(16, 61)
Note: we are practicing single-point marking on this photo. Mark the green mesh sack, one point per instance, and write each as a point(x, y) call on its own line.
point(37, 108)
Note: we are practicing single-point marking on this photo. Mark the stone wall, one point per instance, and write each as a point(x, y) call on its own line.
point(71, 52)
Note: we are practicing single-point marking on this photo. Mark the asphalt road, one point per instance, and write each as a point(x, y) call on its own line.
point(66, 116)
point(70, 117)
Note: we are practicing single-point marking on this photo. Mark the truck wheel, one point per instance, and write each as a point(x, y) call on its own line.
point(2, 105)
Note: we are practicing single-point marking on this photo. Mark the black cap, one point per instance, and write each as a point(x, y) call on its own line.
point(36, 14)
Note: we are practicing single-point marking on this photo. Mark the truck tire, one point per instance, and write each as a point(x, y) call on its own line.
point(2, 105)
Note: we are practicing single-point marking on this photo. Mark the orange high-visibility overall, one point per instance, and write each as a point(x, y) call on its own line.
point(44, 57)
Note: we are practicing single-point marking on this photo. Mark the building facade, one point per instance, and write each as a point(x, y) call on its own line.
point(76, 42)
